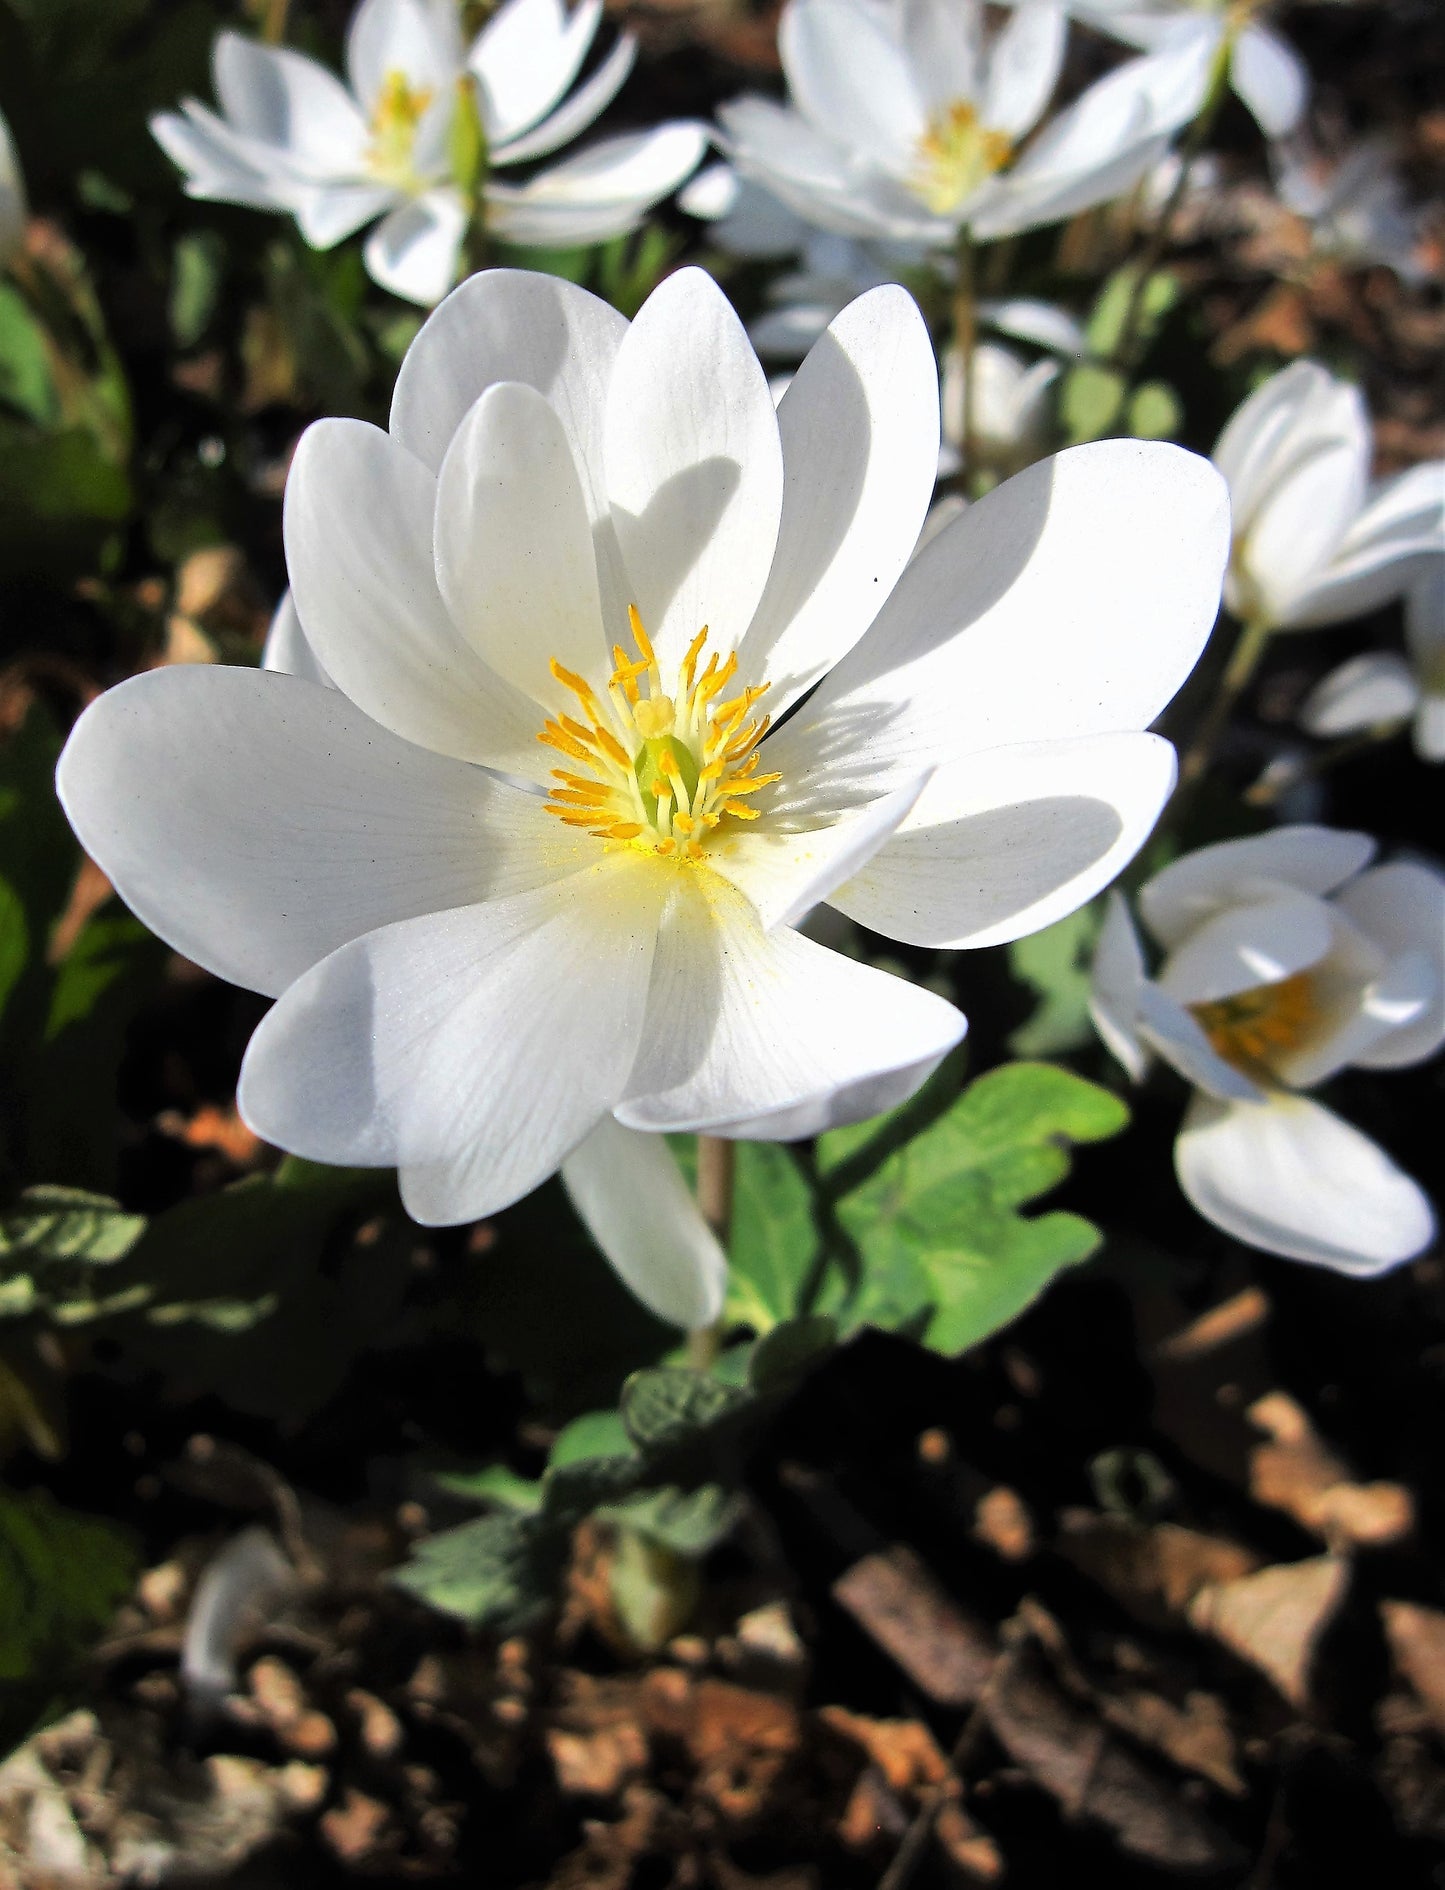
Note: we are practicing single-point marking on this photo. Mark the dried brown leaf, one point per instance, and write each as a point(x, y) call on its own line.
point(898, 1603)
point(1297, 1472)
point(1417, 1642)
point(1274, 1619)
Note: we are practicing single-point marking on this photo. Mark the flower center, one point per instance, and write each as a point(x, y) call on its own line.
point(955, 155)
point(658, 772)
point(400, 108)
point(1252, 1028)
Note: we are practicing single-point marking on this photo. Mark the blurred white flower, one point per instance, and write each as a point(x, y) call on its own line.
point(1314, 541)
point(1356, 209)
point(1009, 415)
point(13, 208)
point(908, 122)
point(1381, 687)
point(590, 554)
point(291, 137)
point(1285, 962)
point(1265, 72)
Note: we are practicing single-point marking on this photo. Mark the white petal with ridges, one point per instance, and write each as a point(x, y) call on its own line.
point(1023, 67)
point(943, 40)
point(576, 113)
point(1116, 979)
point(859, 430)
point(743, 1024)
point(1291, 1178)
point(526, 56)
point(513, 548)
point(358, 526)
point(473, 1048)
point(637, 1207)
point(1072, 601)
point(289, 101)
point(258, 822)
point(694, 466)
point(785, 872)
point(1369, 691)
point(286, 649)
point(1008, 841)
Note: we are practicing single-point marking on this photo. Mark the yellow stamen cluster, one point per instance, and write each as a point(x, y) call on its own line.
point(400, 108)
point(662, 772)
point(1253, 1028)
point(955, 155)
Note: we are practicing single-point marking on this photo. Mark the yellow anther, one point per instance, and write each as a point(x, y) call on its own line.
point(694, 651)
point(624, 830)
point(640, 638)
point(738, 811)
point(665, 847)
point(555, 737)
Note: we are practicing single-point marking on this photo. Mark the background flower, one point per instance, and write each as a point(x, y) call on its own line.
point(1285, 962)
point(292, 138)
point(1314, 540)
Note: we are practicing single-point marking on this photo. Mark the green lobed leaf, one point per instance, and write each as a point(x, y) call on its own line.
point(774, 1237)
point(689, 1522)
point(782, 1356)
point(67, 1224)
point(498, 1572)
point(1155, 412)
point(669, 1408)
point(1055, 963)
point(944, 1246)
point(1111, 308)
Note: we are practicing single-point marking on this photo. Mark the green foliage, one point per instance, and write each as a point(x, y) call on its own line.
point(943, 1246)
point(51, 1241)
point(1055, 964)
point(499, 1571)
point(61, 1576)
point(774, 1236)
point(665, 1409)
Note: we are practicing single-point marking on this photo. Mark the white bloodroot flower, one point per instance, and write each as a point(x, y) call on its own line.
point(592, 556)
point(14, 210)
point(908, 123)
point(1286, 962)
point(1264, 71)
point(1379, 688)
point(1009, 415)
point(291, 137)
point(1314, 541)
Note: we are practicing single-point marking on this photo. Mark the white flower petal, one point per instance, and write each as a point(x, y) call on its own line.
point(1165, 1027)
point(694, 466)
point(1117, 979)
point(526, 56)
point(1401, 907)
point(416, 251)
point(1369, 691)
point(859, 429)
point(1005, 842)
point(358, 528)
point(627, 1188)
point(1041, 323)
point(289, 101)
point(421, 42)
point(326, 214)
point(1023, 67)
point(1429, 733)
point(1392, 543)
point(1072, 601)
point(1257, 942)
point(513, 549)
point(1312, 859)
point(258, 822)
point(573, 117)
point(848, 76)
point(473, 1048)
point(14, 210)
point(1271, 79)
point(1294, 414)
point(784, 871)
point(943, 41)
point(220, 166)
point(600, 192)
point(287, 650)
point(513, 325)
point(1289, 1177)
point(743, 1025)
point(1364, 1016)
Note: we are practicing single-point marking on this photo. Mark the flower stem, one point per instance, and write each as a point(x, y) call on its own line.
point(1243, 661)
point(273, 23)
point(1131, 330)
point(716, 1172)
point(965, 336)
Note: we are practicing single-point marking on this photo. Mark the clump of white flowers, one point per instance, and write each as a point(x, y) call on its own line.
point(591, 556)
point(418, 132)
point(1288, 958)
